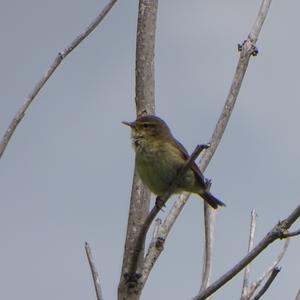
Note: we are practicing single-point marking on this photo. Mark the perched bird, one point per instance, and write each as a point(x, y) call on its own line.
point(159, 157)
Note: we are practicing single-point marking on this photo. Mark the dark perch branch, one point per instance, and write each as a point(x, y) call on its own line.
point(279, 231)
point(268, 283)
point(94, 272)
point(155, 210)
point(21, 113)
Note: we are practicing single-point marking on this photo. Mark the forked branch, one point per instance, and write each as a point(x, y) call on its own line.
point(279, 231)
point(249, 289)
point(268, 283)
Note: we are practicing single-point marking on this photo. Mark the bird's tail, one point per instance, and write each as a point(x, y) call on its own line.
point(212, 200)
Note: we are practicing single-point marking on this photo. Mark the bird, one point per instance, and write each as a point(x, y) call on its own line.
point(159, 158)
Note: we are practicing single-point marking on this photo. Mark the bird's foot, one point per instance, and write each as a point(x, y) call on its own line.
point(160, 203)
point(253, 50)
point(208, 184)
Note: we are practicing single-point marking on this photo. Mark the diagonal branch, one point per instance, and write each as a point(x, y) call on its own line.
point(57, 61)
point(251, 290)
point(279, 231)
point(95, 274)
point(267, 284)
point(247, 50)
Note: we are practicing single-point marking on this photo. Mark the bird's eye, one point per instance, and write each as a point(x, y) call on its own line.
point(145, 125)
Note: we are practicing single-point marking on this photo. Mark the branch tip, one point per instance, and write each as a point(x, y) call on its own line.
point(268, 283)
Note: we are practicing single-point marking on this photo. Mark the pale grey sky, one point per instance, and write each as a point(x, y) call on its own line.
point(66, 175)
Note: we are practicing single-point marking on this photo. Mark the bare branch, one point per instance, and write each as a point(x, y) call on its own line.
point(291, 234)
point(145, 52)
point(278, 232)
point(256, 284)
point(298, 295)
point(209, 224)
point(21, 113)
point(95, 274)
point(244, 295)
point(145, 103)
point(262, 14)
point(247, 49)
point(268, 283)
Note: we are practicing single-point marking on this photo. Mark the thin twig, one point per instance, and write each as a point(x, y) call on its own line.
point(94, 272)
point(155, 210)
point(250, 247)
point(291, 234)
point(21, 112)
point(257, 283)
point(209, 228)
point(268, 283)
point(261, 17)
point(278, 232)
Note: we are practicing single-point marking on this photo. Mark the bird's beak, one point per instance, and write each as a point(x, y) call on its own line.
point(130, 124)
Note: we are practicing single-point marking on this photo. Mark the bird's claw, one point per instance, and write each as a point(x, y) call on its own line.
point(208, 183)
point(160, 203)
point(253, 50)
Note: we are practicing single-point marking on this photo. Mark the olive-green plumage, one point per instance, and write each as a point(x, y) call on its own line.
point(159, 157)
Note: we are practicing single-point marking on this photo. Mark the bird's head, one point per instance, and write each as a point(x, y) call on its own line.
point(148, 128)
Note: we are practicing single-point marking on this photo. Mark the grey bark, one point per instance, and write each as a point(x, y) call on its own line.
point(144, 99)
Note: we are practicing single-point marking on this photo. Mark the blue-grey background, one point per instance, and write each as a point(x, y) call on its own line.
point(66, 175)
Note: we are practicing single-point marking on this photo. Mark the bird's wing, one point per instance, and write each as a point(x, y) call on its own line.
point(200, 177)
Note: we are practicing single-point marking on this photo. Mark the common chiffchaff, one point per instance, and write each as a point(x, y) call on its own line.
point(159, 157)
